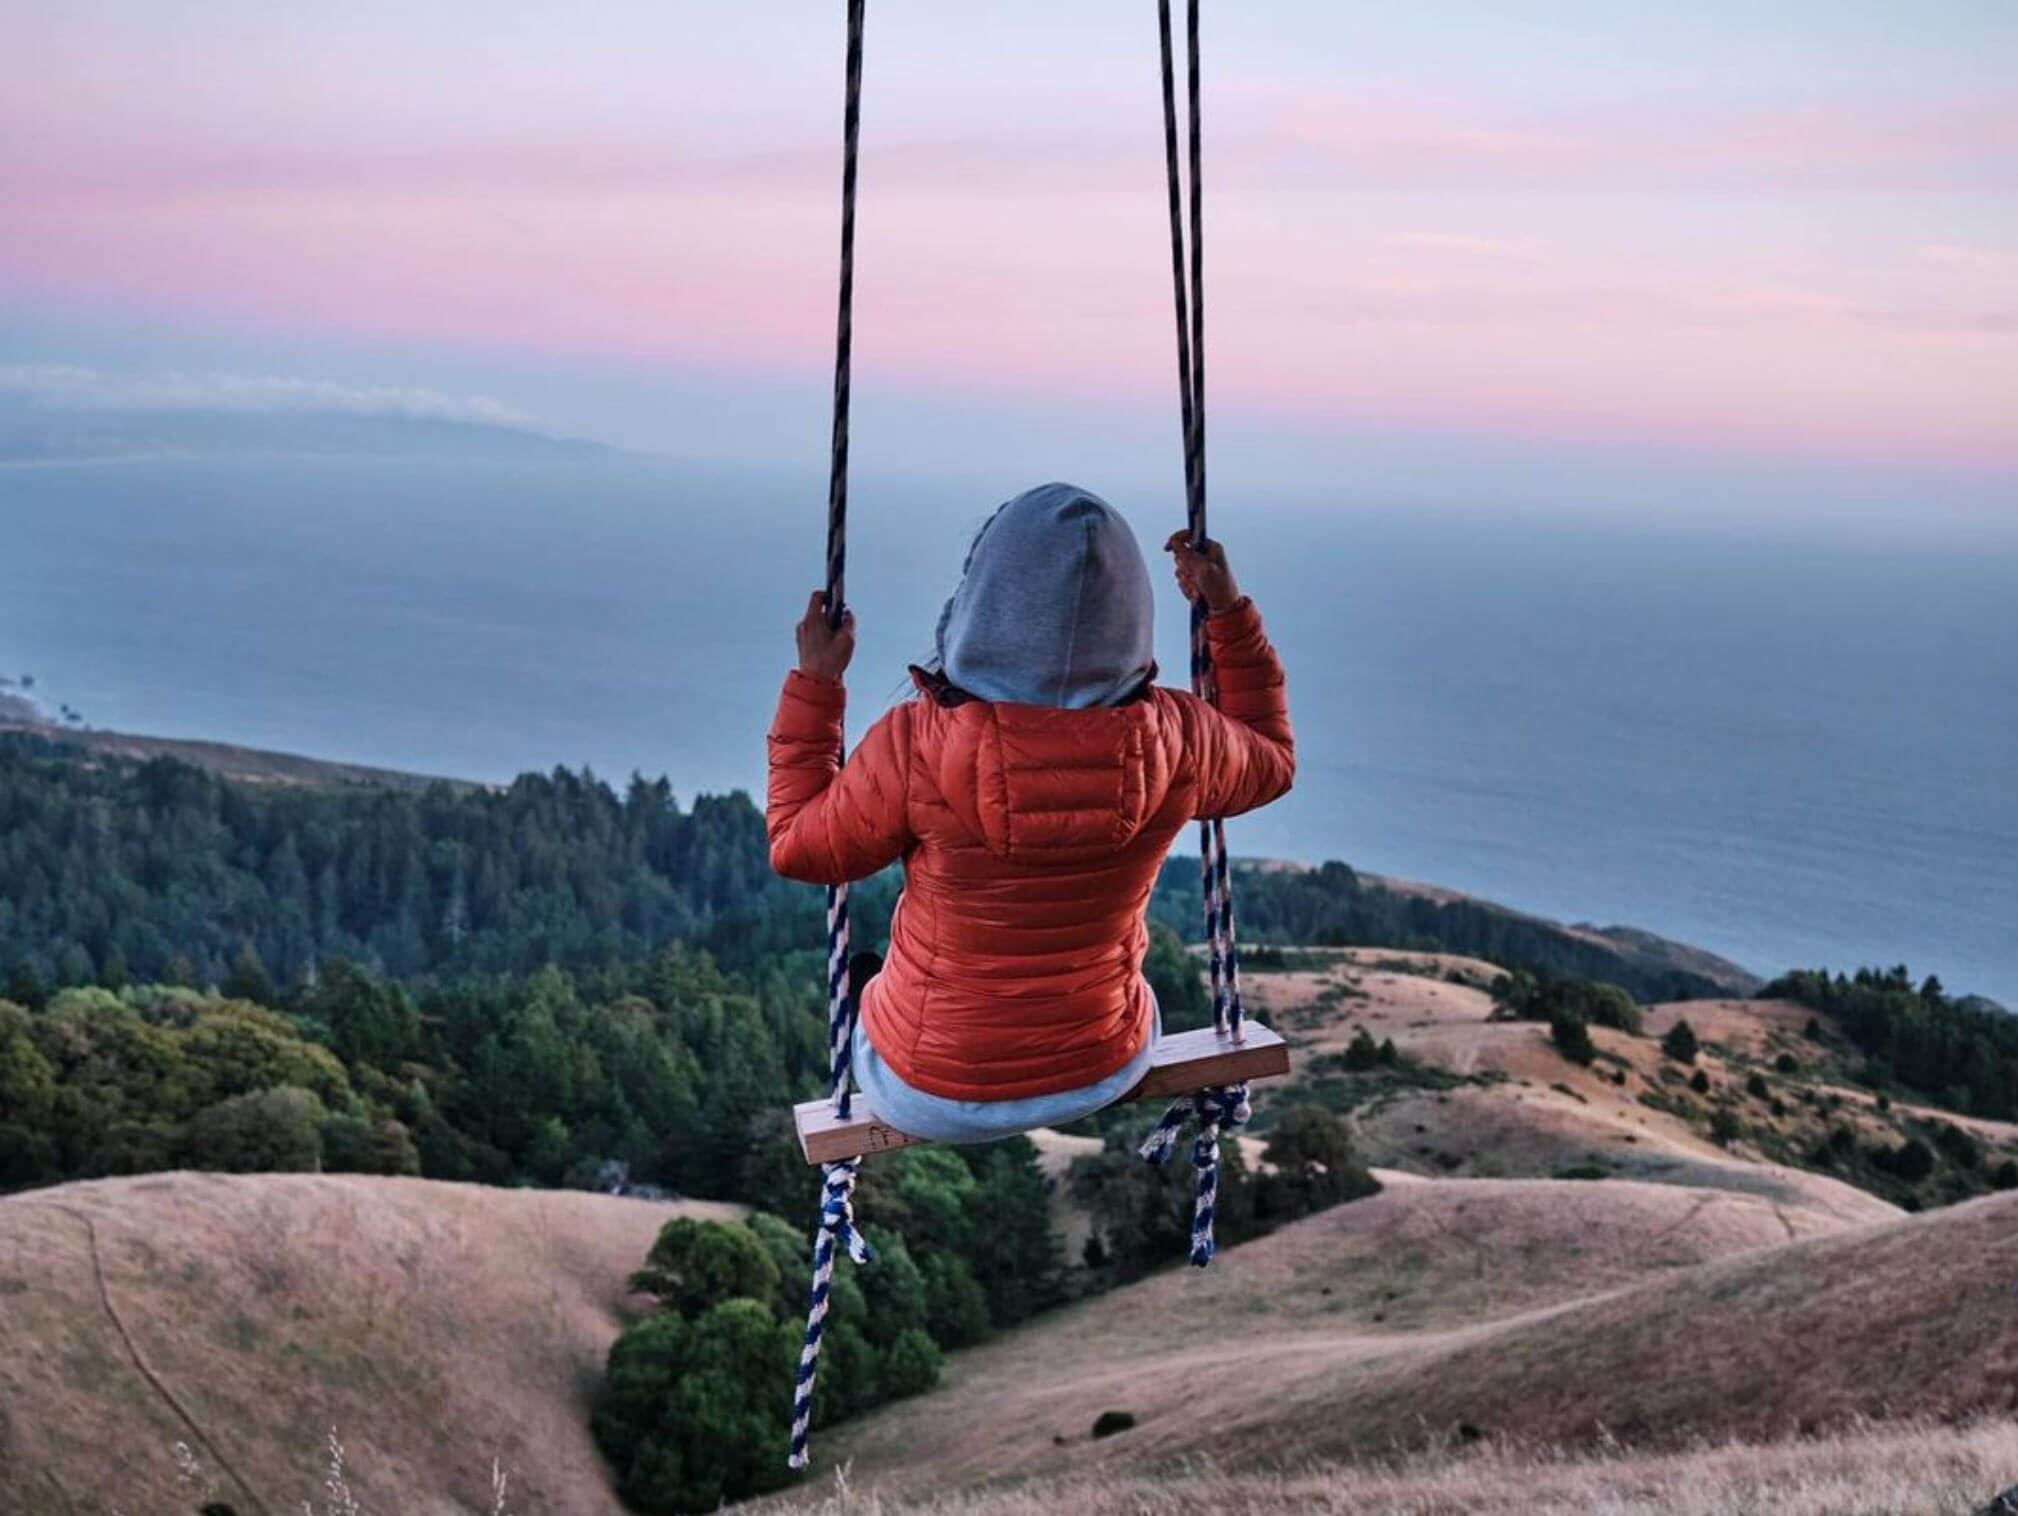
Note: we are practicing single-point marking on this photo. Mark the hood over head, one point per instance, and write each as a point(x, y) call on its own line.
point(1053, 607)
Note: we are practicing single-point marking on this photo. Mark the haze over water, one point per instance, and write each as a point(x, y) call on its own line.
point(1791, 750)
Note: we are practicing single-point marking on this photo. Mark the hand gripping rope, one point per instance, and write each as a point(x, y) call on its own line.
point(1217, 1111)
point(837, 1180)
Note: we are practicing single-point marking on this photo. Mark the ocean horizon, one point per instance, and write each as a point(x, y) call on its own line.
point(1789, 750)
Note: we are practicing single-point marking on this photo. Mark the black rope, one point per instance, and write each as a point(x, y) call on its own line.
point(1187, 280)
point(844, 328)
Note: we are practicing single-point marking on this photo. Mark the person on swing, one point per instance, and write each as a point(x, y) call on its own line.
point(1032, 788)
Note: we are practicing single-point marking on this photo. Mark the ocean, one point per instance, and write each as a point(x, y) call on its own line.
point(1787, 749)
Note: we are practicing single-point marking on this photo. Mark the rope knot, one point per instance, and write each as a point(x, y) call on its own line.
point(837, 1208)
point(1218, 1112)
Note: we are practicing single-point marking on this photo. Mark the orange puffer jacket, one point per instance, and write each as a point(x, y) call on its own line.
point(1031, 838)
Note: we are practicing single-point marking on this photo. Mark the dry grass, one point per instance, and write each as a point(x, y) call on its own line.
point(1550, 1312)
point(437, 1324)
point(1862, 1471)
point(440, 1325)
point(1539, 1115)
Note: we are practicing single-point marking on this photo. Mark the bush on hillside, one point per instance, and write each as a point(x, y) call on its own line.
point(1309, 1166)
point(1523, 996)
point(693, 1263)
point(695, 1408)
point(695, 1411)
point(1572, 1037)
point(270, 1131)
point(1362, 1053)
point(1680, 1044)
point(354, 1145)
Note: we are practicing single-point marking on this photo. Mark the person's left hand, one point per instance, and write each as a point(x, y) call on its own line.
point(824, 649)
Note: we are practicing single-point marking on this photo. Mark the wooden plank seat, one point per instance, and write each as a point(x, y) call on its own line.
point(1183, 1063)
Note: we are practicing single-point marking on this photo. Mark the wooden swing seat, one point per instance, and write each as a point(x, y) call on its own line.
point(1182, 1064)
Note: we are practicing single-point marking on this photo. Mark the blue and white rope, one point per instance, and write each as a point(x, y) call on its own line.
point(1217, 1111)
point(836, 1229)
point(1220, 1112)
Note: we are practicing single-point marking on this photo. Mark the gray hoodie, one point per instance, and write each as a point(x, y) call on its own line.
point(1053, 607)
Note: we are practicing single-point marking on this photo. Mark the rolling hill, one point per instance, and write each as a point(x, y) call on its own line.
point(435, 1326)
point(1494, 1099)
point(1705, 1332)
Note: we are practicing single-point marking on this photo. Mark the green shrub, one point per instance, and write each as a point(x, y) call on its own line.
point(1700, 1082)
point(1962, 1149)
point(1757, 1088)
point(1680, 1044)
point(270, 1131)
point(1362, 1053)
point(1572, 1037)
point(1912, 1160)
point(912, 1364)
point(692, 1413)
point(1522, 996)
point(1309, 1165)
point(352, 1145)
point(695, 1264)
point(1724, 1127)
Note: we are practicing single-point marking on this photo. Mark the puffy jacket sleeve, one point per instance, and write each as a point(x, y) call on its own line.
point(830, 822)
point(1247, 754)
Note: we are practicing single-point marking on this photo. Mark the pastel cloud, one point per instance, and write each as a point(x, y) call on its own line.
point(72, 387)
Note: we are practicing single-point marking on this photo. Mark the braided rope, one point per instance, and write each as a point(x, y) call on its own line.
point(1216, 1111)
point(837, 1180)
point(1219, 1112)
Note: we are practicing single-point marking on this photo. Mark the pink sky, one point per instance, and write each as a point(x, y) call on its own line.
point(1802, 261)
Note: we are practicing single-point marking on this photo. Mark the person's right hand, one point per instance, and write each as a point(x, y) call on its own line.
point(1203, 575)
point(824, 649)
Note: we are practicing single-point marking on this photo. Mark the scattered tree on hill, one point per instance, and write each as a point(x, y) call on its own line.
point(1911, 1161)
point(696, 1263)
point(694, 1410)
point(1362, 1053)
point(1308, 1166)
point(690, 1415)
point(1952, 1052)
point(1524, 996)
point(268, 1131)
point(1572, 1037)
point(1680, 1043)
point(1724, 1127)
